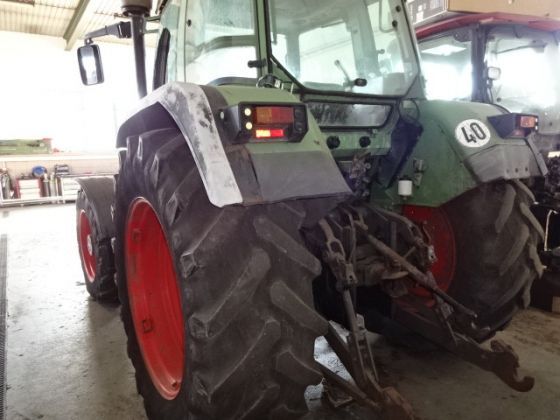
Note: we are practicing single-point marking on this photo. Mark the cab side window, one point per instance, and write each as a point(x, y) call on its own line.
point(165, 66)
point(220, 40)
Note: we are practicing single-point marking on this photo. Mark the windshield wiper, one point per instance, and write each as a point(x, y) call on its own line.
point(347, 81)
point(339, 66)
point(536, 46)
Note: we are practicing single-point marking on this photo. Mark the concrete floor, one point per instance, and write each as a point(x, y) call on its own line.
point(66, 353)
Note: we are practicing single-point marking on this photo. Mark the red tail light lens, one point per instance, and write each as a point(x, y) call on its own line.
point(275, 133)
point(514, 125)
point(266, 122)
point(528, 121)
point(274, 115)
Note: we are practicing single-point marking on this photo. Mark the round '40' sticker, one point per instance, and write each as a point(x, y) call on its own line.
point(472, 133)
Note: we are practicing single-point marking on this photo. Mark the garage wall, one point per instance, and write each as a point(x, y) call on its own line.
point(77, 164)
point(41, 95)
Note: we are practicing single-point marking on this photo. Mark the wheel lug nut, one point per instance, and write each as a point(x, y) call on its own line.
point(147, 325)
point(136, 235)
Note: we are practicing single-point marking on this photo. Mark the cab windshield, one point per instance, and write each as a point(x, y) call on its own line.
point(529, 67)
point(359, 46)
point(524, 64)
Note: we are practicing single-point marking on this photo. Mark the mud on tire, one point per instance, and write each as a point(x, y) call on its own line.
point(496, 239)
point(100, 275)
point(244, 279)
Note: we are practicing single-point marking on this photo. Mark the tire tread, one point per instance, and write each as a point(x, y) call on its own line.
point(247, 357)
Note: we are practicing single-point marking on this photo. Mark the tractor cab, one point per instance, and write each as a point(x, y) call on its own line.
point(356, 47)
point(504, 57)
point(362, 47)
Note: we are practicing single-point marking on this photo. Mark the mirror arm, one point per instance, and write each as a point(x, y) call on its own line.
point(135, 29)
point(120, 30)
point(156, 18)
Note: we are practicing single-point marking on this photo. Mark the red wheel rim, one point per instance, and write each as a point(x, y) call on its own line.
point(436, 224)
point(86, 246)
point(154, 299)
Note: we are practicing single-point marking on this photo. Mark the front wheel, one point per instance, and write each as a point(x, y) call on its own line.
point(216, 303)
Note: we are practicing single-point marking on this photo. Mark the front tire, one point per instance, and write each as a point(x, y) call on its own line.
point(243, 281)
point(96, 253)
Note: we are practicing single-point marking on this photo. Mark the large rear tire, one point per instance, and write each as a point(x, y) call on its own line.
point(243, 281)
point(496, 238)
point(96, 253)
point(486, 242)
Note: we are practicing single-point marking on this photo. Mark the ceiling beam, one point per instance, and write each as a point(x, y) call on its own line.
point(83, 12)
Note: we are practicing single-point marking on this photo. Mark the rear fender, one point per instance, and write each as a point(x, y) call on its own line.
point(444, 165)
point(492, 158)
point(186, 106)
point(100, 191)
point(238, 173)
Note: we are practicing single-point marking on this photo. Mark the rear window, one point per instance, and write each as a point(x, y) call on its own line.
point(219, 40)
point(332, 114)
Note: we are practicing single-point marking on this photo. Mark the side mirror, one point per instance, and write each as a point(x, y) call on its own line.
point(91, 69)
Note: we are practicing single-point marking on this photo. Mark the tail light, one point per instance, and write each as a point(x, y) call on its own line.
point(263, 123)
point(514, 125)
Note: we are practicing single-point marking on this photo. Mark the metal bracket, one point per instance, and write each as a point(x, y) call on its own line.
point(448, 323)
point(501, 359)
point(422, 279)
point(119, 30)
point(355, 353)
point(335, 256)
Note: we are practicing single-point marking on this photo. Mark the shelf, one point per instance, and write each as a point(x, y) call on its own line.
point(55, 157)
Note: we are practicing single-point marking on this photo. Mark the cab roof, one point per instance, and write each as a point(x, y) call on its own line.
point(462, 20)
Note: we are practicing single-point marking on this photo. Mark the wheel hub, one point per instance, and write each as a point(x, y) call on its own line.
point(436, 225)
point(154, 299)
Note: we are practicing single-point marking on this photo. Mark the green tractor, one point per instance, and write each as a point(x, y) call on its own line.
point(285, 172)
point(479, 48)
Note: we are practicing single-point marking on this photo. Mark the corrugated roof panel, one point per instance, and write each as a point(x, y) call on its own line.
point(108, 7)
point(39, 19)
point(69, 4)
point(52, 17)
